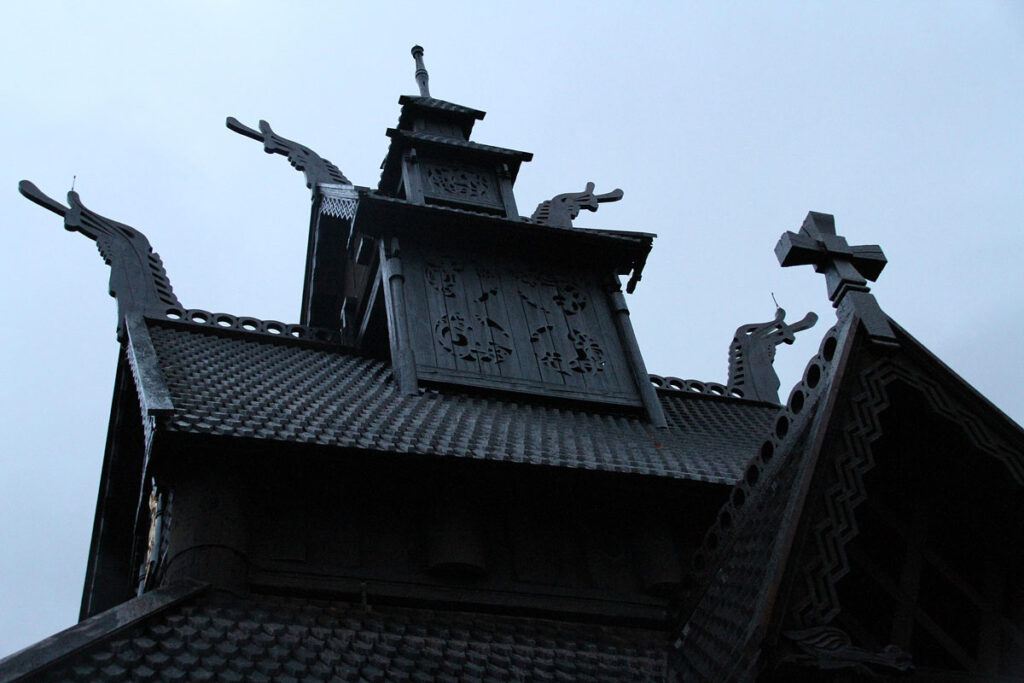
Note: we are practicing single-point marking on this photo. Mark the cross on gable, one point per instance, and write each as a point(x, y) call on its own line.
point(845, 267)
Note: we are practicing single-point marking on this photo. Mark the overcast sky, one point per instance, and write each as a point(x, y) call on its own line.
point(724, 124)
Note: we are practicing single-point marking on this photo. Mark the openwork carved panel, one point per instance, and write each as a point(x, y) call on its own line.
point(441, 274)
point(588, 357)
point(461, 184)
point(491, 321)
point(478, 339)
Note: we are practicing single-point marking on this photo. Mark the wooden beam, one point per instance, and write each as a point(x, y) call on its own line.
point(953, 648)
point(984, 604)
point(910, 579)
point(989, 640)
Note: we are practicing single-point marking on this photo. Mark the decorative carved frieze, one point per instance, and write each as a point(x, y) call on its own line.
point(460, 183)
point(479, 339)
point(442, 274)
point(339, 201)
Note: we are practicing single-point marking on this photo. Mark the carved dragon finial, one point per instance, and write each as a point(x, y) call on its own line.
point(561, 210)
point(318, 171)
point(137, 277)
point(752, 353)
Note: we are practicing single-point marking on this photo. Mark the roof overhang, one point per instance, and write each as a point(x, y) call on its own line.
point(625, 251)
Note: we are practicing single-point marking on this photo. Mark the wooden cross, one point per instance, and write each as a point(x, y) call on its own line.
point(845, 267)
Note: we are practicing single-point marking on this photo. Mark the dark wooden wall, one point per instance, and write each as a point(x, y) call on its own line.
point(428, 530)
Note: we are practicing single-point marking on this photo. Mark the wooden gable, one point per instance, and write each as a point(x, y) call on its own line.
point(908, 554)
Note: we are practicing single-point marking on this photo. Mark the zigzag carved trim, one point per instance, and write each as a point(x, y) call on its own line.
point(820, 603)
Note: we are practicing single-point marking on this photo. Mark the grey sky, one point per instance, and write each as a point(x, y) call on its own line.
point(724, 124)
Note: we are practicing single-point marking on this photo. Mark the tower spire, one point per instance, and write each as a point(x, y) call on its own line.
point(422, 78)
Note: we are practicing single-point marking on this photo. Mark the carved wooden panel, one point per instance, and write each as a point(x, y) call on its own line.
point(492, 321)
point(460, 183)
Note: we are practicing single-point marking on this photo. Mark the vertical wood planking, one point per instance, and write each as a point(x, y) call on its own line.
point(617, 376)
point(561, 287)
point(517, 365)
point(473, 274)
point(476, 316)
point(421, 326)
point(537, 320)
point(581, 321)
point(519, 323)
point(434, 304)
point(459, 305)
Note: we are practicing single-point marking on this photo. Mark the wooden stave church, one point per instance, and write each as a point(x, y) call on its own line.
point(387, 491)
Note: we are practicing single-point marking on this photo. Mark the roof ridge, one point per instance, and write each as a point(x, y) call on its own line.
point(677, 385)
point(274, 329)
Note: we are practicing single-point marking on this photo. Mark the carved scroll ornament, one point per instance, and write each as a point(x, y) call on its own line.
point(830, 648)
point(476, 339)
point(461, 183)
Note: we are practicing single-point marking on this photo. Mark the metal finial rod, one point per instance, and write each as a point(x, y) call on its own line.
point(422, 78)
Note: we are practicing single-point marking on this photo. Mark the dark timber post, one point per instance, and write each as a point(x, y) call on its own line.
point(648, 395)
point(402, 358)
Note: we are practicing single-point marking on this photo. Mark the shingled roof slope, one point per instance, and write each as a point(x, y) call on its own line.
point(220, 637)
point(744, 551)
point(259, 387)
point(716, 636)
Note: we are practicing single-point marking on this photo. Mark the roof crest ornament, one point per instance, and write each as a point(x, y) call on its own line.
point(319, 172)
point(752, 354)
point(422, 77)
point(847, 269)
point(561, 210)
point(137, 277)
point(222, 322)
point(693, 386)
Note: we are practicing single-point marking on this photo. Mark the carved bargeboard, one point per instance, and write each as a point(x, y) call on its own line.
point(486, 320)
